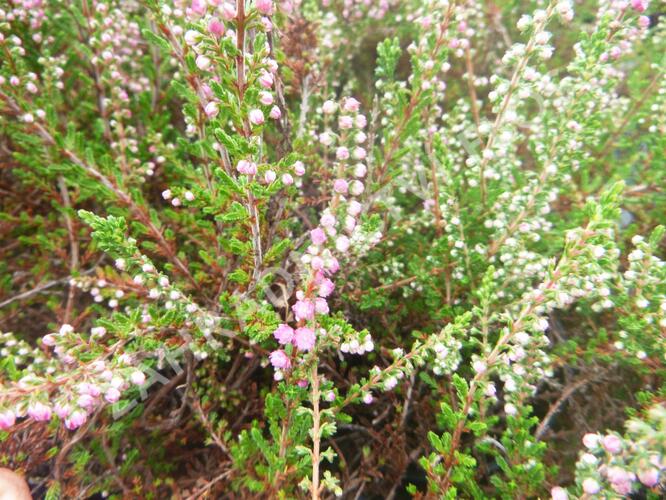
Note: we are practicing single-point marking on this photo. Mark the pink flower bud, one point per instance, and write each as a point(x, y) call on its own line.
point(211, 109)
point(591, 440)
point(321, 306)
point(612, 444)
point(649, 477)
point(342, 244)
point(326, 287)
point(275, 113)
point(299, 168)
point(39, 412)
point(265, 98)
point(328, 220)
point(287, 180)
point(342, 153)
point(351, 105)
point(357, 188)
point(280, 360)
point(269, 176)
point(138, 378)
point(644, 21)
point(558, 493)
point(367, 398)
point(329, 107)
point(246, 167)
point(256, 117)
point(284, 334)
point(639, 5)
point(7, 419)
point(304, 338)
point(228, 11)
point(198, 7)
point(361, 121)
point(346, 122)
point(318, 236)
point(303, 310)
point(62, 410)
point(215, 27)
point(76, 420)
point(591, 486)
point(266, 80)
point(203, 62)
point(112, 395)
point(48, 340)
point(340, 186)
point(264, 6)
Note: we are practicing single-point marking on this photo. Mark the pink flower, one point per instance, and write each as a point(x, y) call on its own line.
point(215, 27)
point(299, 168)
point(287, 179)
point(342, 244)
point(304, 338)
point(612, 444)
point(558, 493)
point(138, 378)
point(333, 265)
point(303, 309)
point(228, 11)
point(351, 105)
point(318, 236)
point(591, 486)
point(340, 186)
point(328, 220)
point(266, 80)
point(269, 176)
point(591, 440)
point(203, 62)
point(321, 306)
point(342, 153)
point(112, 395)
point(199, 7)
point(264, 6)
point(326, 287)
point(329, 107)
point(639, 5)
point(211, 110)
point(76, 420)
point(345, 122)
point(39, 412)
point(644, 21)
point(7, 419)
point(246, 167)
point(284, 334)
point(361, 121)
point(280, 360)
point(275, 113)
point(357, 188)
point(354, 208)
point(367, 398)
point(256, 117)
point(266, 98)
point(85, 401)
point(62, 410)
point(649, 477)
point(48, 340)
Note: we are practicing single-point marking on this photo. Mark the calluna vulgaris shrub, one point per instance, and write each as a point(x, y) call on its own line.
point(358, 248)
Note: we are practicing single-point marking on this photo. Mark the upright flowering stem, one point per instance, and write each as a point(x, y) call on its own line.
point(316, 437)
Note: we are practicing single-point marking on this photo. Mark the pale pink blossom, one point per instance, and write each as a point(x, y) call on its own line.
point(280, 360)
point(304, 338)
point(284, 334)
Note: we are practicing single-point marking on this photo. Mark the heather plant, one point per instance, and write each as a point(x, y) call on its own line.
point(311, 249)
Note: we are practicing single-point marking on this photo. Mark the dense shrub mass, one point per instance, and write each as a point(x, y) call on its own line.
point(358, 248)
